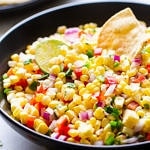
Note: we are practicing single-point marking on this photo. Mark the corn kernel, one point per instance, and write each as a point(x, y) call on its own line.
point(40, 126)
point(73, 132)
point(99, 113)
point(15, 57)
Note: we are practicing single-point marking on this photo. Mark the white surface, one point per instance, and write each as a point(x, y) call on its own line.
point(10, 139)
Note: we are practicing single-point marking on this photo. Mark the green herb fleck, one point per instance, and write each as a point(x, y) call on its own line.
point(44, 76)
point(89, 53)
point(33, 85)
point(146, 106)
point(70, 85)
point(68, 73)
point(116, 64)
point(7, 90)
point(26, 62)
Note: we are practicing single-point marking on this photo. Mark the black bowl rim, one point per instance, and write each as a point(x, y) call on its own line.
point(34, 133)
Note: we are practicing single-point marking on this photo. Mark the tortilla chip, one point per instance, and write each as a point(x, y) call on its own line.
point(123, 33)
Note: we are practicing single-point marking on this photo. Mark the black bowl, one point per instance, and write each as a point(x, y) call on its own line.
point(44, 24)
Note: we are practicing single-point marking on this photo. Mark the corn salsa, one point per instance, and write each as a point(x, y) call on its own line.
point(86, 95)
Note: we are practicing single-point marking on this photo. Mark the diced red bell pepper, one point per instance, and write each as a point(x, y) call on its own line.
point(148, 68)
point(63, 126)
point(97, 51)
point(30, 122)
point(139, 79)
point(22, 82)
point(78, 72)
point(132, 105)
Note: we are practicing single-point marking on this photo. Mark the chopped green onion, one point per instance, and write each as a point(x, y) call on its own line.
point(116, 124)
point(33, 85)
point(110, 140)
point(116, 64)
point(68, 73)
point(45, 76)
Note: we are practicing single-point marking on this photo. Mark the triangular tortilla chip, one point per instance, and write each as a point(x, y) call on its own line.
point(123, 33)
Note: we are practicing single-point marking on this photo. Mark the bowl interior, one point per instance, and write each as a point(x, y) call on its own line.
point(44, 24)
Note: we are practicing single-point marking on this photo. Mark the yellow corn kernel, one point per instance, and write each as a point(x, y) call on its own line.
point(18, 88)
point(90, 86)
point(54, 103)
point(92, 121)
point(46, 100)
point(39, 97)
point(55, 69)
point(77, 99)
point(85, 141)
point(145, 101)
point(29, 67)
point(23, 117)
point(146, 127)
point(100, 70)
point(84, 78)
point(83, 91)
point(68, 94)
point(145, 83)
point(70, 139)
point(40, 126)
point(29, 91)
point(130, 118)
point(13, 79)
point(146, 91)
point(128, 131)
point(127, 90)
point(61, 29)
point(61, 75)
point(99, 113)
point(143, 70)
point(141, 113)
point(16, 112)
point(132, 72)
point(73, 132)
point(71, 114)
point(15, 57)
point(30, 50)
point(119, 102)
point(85, 70)
point(58, 84)
point(60, 110)
point(105, 121)
point(78, 109)
point(20, 72)
point(85, 130)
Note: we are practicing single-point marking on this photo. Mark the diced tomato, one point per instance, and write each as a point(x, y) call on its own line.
point(39, 106)
point(63, 126)
point(22, 82)
point(41, 89)
point(78, 72)
point(148, 136)
point(32, 101)
point(30, 122)
point(132, 105)
point(148, 68)
point(39, 71)
point(139, 79)
point(110, 80)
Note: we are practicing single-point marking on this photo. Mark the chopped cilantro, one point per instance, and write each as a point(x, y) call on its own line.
point(33, 85)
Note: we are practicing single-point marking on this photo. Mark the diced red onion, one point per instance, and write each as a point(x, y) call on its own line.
point(83, 116)
point(72, 34)
point(52, 126)
point(116, 58)
point(55, 135)
point(79, 63)
point(62, 137)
